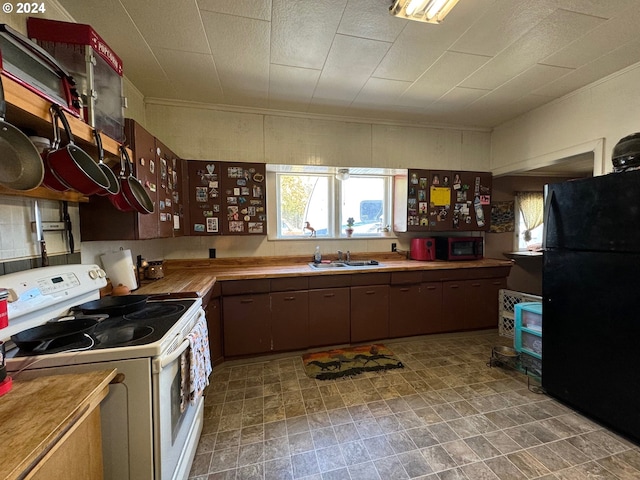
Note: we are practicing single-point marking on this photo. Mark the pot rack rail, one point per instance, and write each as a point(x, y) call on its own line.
point(26, 109)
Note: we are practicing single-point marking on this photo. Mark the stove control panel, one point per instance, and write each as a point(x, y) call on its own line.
point(40, 294)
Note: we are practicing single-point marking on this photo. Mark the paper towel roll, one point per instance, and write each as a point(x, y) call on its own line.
point(120, 268)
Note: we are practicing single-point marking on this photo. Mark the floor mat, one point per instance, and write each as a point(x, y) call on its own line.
point(349, 361)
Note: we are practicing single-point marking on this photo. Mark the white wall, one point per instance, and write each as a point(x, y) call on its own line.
point(607, 109)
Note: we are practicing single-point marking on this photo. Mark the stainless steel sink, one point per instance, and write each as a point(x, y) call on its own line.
point(326, 266)
point(362, 263)
point(345, 264)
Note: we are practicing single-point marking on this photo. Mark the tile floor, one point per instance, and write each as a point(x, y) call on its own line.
point(445, 416)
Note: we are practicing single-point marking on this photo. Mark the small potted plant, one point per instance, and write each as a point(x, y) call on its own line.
point(349, 229)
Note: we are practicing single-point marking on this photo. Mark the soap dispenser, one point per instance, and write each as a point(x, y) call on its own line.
point(317, 256)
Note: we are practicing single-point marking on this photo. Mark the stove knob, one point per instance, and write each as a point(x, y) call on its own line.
point(101, 273)
point(93, 274)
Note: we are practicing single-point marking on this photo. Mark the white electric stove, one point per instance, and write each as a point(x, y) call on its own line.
point(149, 431)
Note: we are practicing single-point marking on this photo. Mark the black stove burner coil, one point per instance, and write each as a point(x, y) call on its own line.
point(114, 306)
point(53, 335)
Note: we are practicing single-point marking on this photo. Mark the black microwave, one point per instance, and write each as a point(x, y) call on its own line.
point(459, 248)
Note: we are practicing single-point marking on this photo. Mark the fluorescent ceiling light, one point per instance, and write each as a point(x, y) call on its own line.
point(430, 11)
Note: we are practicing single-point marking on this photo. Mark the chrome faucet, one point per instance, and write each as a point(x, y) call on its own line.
point(348, 256)
point(339, 255)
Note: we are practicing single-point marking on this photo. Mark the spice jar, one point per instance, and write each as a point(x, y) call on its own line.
point(155, 270)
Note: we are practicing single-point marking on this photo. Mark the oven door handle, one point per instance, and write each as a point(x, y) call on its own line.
point(162, 362)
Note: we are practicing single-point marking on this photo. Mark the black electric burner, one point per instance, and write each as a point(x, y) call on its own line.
point(144, 326)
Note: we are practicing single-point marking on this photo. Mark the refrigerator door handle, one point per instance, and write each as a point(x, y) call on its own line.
point(548, 206)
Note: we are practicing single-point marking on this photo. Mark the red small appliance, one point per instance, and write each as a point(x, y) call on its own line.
point(423, 249)
point(459, 248)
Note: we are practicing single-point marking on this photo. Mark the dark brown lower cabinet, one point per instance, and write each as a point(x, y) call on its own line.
point(471, 304)
point(329, 317)
point(369, 313)
point(247, 324)
point(289, 320)
point(407, 313)
point(489, 292)
point(433, 321)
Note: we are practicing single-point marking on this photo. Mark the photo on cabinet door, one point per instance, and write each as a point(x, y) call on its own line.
point(256, 227)
point(202, 194)
point(212, 225)
point(236, 227)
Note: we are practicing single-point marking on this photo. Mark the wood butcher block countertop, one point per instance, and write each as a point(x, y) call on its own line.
point(198, 276)
point(37, 413)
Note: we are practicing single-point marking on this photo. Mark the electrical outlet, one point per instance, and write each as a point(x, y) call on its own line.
point(212, 253)
point(393, 247)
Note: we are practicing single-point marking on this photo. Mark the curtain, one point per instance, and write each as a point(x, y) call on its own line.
point(531, 205)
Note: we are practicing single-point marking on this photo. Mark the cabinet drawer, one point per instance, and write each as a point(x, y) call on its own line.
point(287, 284)
point(365, 279)
point(329, 281)
point(404, 278)
point(240, 287)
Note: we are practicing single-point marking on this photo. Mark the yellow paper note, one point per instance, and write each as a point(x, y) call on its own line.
point(440, 196)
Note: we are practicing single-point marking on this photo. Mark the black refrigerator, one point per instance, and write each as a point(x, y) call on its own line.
point(591, 298)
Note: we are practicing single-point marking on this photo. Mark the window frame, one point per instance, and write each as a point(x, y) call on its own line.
point(335, 195)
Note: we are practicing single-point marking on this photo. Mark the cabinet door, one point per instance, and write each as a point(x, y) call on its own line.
point(244, 198)
point(490, 296)
point(246, 321)
point(369, 313)
point(471, 201)
point(455, 305)
point(406, 311)
point(100, 220)
point(433, 320)
point(329, 317)
point(143, 145)
point(214, 325)
point(203, 198)
point(168, 188)
point(289, 320)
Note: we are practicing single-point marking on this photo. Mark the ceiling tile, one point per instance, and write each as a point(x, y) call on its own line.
point(243, 72)
point(421, 44)
point(182, 30)
point(193, 75)
point(357, 56)
point(528, 81)
point(597, 8)
point(379, 91)
point(449, 70)
point(501, 24)
point(551, 33)
point(456, 99)
point(599, 41)
point(291, 88)
point(614, 61)
point(303, 31)
point(363, 18)
point(258, 9)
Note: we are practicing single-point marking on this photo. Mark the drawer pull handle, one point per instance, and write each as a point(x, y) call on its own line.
point(248, 300)
point(475, 284)
point(288, 299)
point(431, 288)
point(406, 289)
point(370, 292)
point(329, 295)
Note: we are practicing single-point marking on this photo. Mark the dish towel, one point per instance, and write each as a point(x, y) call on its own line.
point(199, 359)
